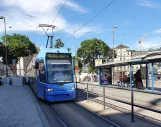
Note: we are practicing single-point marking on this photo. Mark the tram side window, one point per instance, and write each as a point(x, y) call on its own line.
point(42, 71)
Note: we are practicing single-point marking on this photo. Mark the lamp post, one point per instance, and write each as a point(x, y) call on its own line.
point(1, 17)
point(113, 50)
point(113, 40)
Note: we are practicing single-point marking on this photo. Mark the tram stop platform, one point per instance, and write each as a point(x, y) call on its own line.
point(19, 107)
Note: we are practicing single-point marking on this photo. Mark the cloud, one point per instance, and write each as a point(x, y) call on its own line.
point(148, 3)
point(76, 7)
point(157, 31)
point(25, 15)
point(41, 5)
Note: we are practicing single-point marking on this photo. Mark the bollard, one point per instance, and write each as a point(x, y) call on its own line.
point(76, 83)
point(76, 86)
point(104, 97)
point(132, 105)
point(87, 91)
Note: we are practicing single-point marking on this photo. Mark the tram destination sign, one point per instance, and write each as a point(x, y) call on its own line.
point(58, 56)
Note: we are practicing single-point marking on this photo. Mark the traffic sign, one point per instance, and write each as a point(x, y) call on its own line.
point(98, 62)
point(76, 67)
point(13, 61)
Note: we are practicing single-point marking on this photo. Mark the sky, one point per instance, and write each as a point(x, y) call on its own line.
point(134, 18)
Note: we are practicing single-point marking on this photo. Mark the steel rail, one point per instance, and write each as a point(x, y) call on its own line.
point(121, 109)
point(125, 102)
point(60, 118)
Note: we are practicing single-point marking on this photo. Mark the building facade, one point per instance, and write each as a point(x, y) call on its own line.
point(24, 62)
point(122, 54)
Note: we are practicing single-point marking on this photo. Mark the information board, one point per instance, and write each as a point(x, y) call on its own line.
point(58, 56)
point(98, 62)
point(106, 77)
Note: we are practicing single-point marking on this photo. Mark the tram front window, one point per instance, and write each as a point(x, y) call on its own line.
point(59, 71)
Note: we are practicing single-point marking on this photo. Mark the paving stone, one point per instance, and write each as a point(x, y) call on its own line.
point(17, 107)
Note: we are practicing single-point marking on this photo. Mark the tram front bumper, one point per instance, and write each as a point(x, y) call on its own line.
point(60, 95)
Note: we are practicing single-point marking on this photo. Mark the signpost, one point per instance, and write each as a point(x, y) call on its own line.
point(14, 68)
point(98, 62)
point(76, 68)
point(13, 62)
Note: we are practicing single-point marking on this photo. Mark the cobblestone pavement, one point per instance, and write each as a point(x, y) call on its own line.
point(17, 107)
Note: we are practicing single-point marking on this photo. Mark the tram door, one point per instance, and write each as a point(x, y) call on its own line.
point(42, 79)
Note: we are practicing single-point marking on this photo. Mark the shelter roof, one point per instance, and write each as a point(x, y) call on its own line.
point(143, 59)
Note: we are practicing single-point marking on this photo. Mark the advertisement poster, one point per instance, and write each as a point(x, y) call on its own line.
point(106, 78)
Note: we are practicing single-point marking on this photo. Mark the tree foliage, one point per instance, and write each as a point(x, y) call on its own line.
point(91, 49)
point(18, 46)
point(58, 43)
point(68, 49)
point(2, 49)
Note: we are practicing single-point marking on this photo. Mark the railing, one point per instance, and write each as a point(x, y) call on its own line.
point(103, 95)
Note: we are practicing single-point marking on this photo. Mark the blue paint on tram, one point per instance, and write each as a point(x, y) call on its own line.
point(52, 75)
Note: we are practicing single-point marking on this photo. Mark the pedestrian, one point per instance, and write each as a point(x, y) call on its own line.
point(10, 81)
point(0, 81)
point(139, 83)
point(128, 80)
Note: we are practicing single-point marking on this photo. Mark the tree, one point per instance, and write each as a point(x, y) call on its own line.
point(58, 44)
point(18, 46)
point(2, 49)
point(91, 49)
point(68, 49)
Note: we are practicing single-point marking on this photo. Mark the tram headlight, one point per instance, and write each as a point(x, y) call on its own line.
point(72, 88)
point(49, 89)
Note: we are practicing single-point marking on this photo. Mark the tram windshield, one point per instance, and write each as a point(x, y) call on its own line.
point(59, 71)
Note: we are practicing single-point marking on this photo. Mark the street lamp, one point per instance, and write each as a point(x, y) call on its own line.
point(1, 17)
point(113, 40)
point(113, 51)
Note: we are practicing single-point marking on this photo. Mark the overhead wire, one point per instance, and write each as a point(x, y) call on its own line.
point(90, 19)
point(45, 31)
point(26, 14)
point(58, 13)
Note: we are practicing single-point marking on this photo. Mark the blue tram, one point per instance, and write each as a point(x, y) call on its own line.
point(53, 75)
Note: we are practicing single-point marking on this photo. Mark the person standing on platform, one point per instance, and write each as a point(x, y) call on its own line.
point(139, 83)
point(10, 81)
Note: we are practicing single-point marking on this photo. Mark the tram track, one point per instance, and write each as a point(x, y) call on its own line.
point(70, 114)
point(75, 115)
point(63, 122)
point(53, 118)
